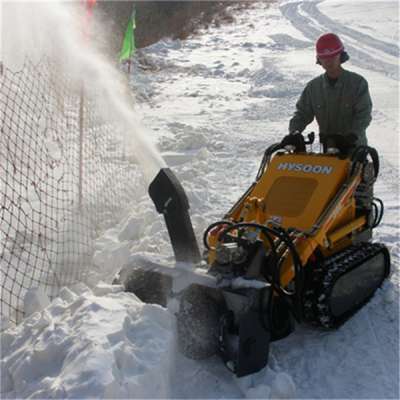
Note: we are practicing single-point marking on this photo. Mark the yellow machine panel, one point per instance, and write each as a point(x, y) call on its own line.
point(294, 191)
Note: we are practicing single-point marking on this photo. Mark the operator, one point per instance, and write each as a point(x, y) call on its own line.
point(338, 99)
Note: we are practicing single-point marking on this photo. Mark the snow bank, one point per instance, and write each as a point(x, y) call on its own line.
point(100, 343)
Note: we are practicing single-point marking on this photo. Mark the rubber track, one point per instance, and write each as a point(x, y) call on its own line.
point(316, 303)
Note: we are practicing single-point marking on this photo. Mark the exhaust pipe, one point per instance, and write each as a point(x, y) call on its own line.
point(170, 200)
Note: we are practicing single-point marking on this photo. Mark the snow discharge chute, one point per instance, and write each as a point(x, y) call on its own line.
point(170, 200)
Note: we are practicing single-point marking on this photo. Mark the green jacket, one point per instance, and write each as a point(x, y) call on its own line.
point(343, 109)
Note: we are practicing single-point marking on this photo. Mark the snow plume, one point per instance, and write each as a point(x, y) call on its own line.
point(55, 29)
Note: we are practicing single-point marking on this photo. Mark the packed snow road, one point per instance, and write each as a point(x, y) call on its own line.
point(366, 49)
point(215, 102)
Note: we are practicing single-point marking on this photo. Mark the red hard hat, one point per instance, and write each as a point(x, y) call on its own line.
point(328, 45)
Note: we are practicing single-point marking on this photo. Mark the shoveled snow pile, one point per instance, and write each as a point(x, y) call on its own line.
point(100, 343)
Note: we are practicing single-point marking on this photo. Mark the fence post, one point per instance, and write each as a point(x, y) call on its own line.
point(81, 132)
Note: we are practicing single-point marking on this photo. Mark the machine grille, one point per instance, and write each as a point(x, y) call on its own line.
point(289, 196)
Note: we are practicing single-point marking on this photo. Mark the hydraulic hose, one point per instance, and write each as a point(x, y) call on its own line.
point(283, 236)
point(266, 158)
point(361, 153)
point(208, 230)
point(378, 207)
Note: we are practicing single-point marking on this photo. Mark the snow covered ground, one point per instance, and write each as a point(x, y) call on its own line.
point(214, 103)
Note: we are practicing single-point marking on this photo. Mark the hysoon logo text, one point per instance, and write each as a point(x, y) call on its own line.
point(308, 168)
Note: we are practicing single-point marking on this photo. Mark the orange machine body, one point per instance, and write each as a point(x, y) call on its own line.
point(310, 194)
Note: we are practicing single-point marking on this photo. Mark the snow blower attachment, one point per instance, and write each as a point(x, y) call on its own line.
point(295, 247)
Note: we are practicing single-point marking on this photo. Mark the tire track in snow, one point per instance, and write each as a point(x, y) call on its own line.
point(303, 24)
point(388, 48)
point(359, 57)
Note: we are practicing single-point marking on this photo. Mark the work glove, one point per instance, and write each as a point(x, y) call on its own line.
point(344, 143)
point(296, 140)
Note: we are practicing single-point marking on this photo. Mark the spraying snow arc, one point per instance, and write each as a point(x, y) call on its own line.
point(56, 30)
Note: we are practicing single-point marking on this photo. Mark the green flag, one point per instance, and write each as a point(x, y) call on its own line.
point(128, 45)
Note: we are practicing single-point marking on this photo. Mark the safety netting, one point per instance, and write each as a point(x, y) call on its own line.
point(64, 179)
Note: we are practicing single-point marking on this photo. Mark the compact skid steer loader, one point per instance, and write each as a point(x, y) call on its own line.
point(295, 247)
